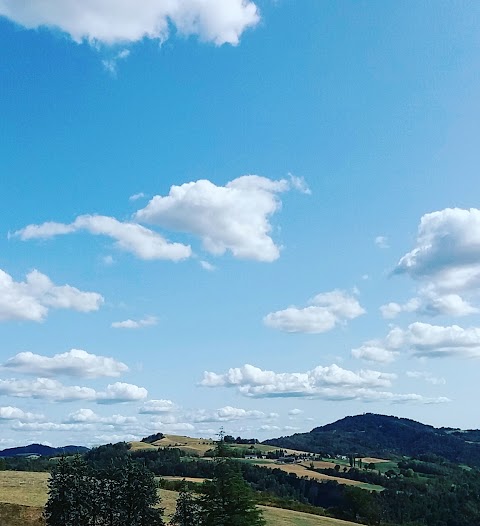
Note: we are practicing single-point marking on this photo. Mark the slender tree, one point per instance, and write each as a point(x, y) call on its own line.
point(227, 499)
point(187, 511)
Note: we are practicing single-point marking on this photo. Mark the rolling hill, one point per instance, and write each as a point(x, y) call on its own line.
point(386, 436)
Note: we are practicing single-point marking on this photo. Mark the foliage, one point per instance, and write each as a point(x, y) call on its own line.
point(227, 500)
point(153, 438)
point(80, 495)
point(187, 511)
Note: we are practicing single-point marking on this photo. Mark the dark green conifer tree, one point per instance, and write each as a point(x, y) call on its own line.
point(227, 499)
point(187, 511)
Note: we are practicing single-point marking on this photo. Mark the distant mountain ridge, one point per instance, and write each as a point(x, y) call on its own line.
point(371, 434)
point(41, 450)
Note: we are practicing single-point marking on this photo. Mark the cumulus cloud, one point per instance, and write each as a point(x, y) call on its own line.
point(128, 21)
point(14, 413)
point(33, 298)
point(423, 340)
point(234, 217)
point(130, 237)
point(152, 407)
point(430, 303)
point(87, 416)
point(48, 426)
point(149, 321)
point(325, 311)
point(55, 391)
point(328, 383)
point(75, 362)
point(121, 392)
point(446, 263)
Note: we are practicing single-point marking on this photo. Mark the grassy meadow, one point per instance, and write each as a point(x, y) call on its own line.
point(23, 495)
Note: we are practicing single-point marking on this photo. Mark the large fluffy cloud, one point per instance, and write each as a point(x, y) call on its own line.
point(324, 312)
point(53, 390)
point(423, 340)
point(234, 217)
point(75, 362)
point(31, 299)
point(104, 21)
point(446, 263)
point(130, 237)
point(328, 383)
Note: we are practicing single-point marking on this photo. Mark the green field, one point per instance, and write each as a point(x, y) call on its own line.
point(23, 495)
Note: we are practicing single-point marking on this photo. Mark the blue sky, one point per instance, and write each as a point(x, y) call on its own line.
point(262, 215)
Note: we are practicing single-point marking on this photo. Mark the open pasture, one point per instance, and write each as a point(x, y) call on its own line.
point(23, 495)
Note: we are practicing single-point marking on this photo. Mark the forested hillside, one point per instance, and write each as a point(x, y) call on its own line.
point(386, 436)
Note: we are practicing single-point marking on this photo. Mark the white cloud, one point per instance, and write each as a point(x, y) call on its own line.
point(207, 266)
point(45, 388)
point(428, 377)
point(430, 303)
point(135, 324)
point(55, 391)
point(110, 64)
point(128, 21)
point(31, 299)
point(392, 310)
point(330, 383)
point(374, 351)
point(130, 237)
point(14, 413)
point(326, 310)
point(234, 217)
point(446, 262)
point(230, 414)
point(75, 362)
point(382, 242)
point(48, 426)
point(423, 340)
point(87, 416)
point(121, 392)
point(157, 406)
point(136, 197)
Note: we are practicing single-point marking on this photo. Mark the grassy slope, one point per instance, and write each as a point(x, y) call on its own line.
point(198, 446)
point(23, 494)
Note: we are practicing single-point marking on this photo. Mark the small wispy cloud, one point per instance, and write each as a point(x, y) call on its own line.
point(207, 266)
point(382, 242)
point(111, 64)
point(136, 197)
point(149, 321)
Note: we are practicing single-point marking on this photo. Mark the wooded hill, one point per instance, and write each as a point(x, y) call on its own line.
point(386, 436)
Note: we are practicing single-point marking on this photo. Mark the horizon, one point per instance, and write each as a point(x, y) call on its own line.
point(254, 214)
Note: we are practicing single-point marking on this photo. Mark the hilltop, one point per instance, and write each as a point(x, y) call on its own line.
point(386, 436)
